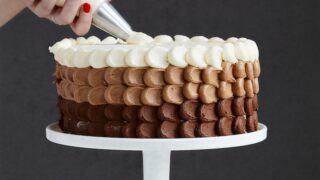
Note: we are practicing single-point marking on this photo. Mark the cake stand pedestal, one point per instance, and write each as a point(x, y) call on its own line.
point(156, 152)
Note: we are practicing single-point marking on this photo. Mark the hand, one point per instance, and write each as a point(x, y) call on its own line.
point(73, 13)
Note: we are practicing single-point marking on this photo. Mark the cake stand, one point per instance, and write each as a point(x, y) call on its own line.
point(156, 152)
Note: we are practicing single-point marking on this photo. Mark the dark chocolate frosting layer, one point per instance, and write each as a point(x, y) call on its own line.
point(191, 119)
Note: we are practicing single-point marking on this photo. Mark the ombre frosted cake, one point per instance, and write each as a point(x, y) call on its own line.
point(157, 87)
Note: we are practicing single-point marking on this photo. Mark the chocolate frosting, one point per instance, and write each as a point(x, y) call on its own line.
point(225, 90)
point(113, 128)
point(134, 76)
point(129, 130)
point(96, 114)
point(114, 94)
point(174, 75)
point(168, 112)
point(154, 78)
point(168, 130)
point(96, 77)
point(81, 94)
point(238, 106)
point(147, 130)
point(113, 112)
point(252, 122)
point(69, 74)
point(96, 95)
point(143, 122)
point(239, 70)
point(129, 113)
point(255, 102)
point(207, 129)
point(249, 71)
point(75, 84)
point(226, 74)
point(190, 91)
point(248, 86)
point(224, 108)
point(173, 94)
point(225, 126)
point(207, 113)
point(208, 93)
point(114, 75)
point(188, 110)
point(131, 96)
point(187, 129)
point(238, 87)
point(210, 76)
point(151, 96)
point(96, 129)
point(80, 76)
point(192, 74)
point(255, 85)
point(248, 106)
point(148, 114)
point(239, 125)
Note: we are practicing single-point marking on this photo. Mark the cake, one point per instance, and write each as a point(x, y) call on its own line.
point(160, 87)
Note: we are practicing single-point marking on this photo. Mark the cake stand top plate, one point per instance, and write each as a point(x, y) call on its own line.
point(55, 134)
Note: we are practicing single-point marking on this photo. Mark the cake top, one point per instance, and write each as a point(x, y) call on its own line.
point(141, 50)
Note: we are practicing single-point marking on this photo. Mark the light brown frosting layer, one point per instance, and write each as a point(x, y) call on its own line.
point(153, 87)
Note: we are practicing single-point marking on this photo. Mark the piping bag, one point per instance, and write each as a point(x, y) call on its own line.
point(107, 18)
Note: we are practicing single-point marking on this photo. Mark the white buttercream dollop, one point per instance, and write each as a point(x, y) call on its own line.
point(109, 40)
point(232, 40)
point(163, 39)
point(58, 55)
point(214, 57)
point(157, 57)
point(199, 39)
point(242, 39)
point(177, 56)
point(97, 58)
point(93, 40)
point(136, 57)
point(81, 40)
point(254, 48)
point(139, 38)
point(116, 57)
point(196, 56)
point(64, 44)
point(216, 40)
point(181, 38)
point(229, 53)
point(80, 58)
point(241, 51)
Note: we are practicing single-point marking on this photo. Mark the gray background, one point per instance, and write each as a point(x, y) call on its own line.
point(287, 32)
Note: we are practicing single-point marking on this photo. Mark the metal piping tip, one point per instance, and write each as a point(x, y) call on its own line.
point(107, 18)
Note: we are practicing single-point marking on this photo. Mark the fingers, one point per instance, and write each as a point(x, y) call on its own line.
point(82, 24)
point(44, 8)
point(68, 13)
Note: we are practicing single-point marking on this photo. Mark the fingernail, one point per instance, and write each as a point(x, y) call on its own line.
point(86, 7)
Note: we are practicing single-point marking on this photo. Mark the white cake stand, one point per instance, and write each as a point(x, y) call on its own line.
point(156, 152)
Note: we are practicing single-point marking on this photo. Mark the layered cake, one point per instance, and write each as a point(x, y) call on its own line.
point(160, 87)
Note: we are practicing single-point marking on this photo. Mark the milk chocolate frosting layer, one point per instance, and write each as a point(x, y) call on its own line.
point(151, 77)
point(191, 119)
point(153, 87)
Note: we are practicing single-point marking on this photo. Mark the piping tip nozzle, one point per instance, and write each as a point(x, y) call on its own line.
point(107, 18)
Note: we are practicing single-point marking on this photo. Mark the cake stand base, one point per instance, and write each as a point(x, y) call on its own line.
point(156, 152)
